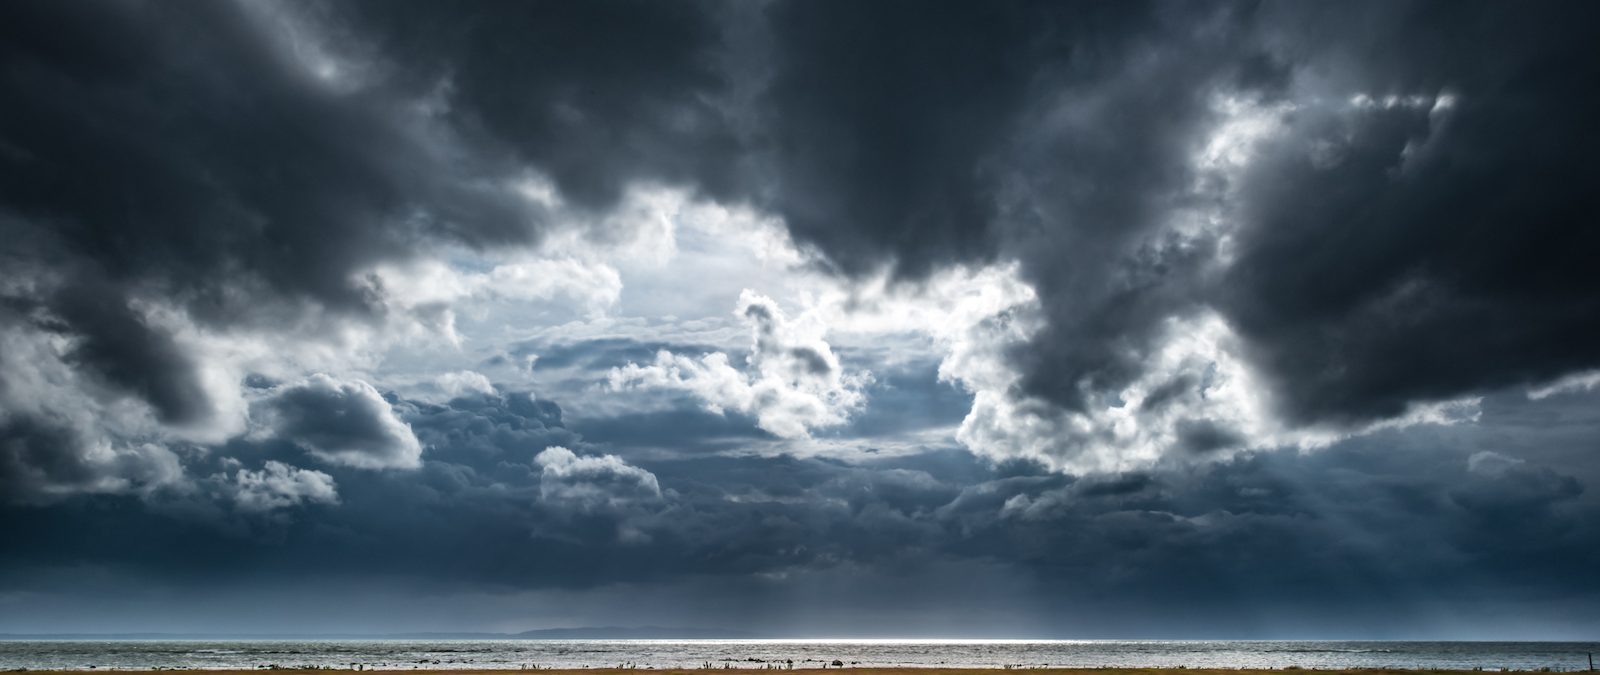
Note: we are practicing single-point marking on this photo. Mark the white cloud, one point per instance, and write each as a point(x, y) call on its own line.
point(792, 382)
point(65, 434)
point(278, 485)
point(1584, 381)
point(1196, 400)
point(464, 382)
point(592, 484)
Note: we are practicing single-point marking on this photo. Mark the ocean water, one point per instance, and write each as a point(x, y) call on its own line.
point(406, 654)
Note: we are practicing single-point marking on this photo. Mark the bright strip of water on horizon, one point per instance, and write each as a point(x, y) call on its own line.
point(516, 654)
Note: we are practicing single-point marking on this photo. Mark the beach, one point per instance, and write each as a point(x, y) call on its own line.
point(853, 671)
point(877, 657)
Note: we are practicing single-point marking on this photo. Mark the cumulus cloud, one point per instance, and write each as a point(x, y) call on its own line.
point(1140, 240)
point(593, 483)
point(1151, 177)
point(1137, 366)
point(210, 249)
point(1195, 399)
point(464, 382)
point(345, 423)
point(496, 434)
point(62, 433)
point(41, 463)
point(792, 382)
point(1145, 168)
point(278, 485)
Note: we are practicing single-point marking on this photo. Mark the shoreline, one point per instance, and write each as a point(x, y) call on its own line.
point(902, 670)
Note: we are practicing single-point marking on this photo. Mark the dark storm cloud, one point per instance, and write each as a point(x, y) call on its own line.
point(1420, 260)
point(473, 429)
point(1360, 522)
point(1053, 130)
point(206, 159)
point(341, 422)
point(187, 152)
point(154, 154)
point(1383, 257)
point(533, 516)
point(1440, 253)
point(162, 166)
point(120, 347)
point(41, 458)
point(597, 95)
point(884, 116)
point(32, 454)
point(1385, 519)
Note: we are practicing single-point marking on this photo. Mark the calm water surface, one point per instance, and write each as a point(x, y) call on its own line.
point(148, 654)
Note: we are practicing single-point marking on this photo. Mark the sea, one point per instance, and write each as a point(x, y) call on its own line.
point(643, 654)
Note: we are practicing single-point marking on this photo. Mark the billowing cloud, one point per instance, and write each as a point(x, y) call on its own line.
point(1038, 294)
point(179, 222)
point(1145, 167)
point(1153, 179)
point(792, 381)
point(347, 423)
point(278, 485)
point(588, 484)
point(41, 463)
point(60, 434)
point(1394, 522)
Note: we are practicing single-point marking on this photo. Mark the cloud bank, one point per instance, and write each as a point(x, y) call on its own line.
point(1280, 305)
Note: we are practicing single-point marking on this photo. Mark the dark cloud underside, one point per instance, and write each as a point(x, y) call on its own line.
point(1382, 204)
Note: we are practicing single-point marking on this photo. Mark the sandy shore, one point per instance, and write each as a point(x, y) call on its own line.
point(852, 671)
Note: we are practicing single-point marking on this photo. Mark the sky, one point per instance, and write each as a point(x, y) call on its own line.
point(813, 318)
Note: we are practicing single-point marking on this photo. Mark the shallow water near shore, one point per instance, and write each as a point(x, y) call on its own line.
point(514, 654)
